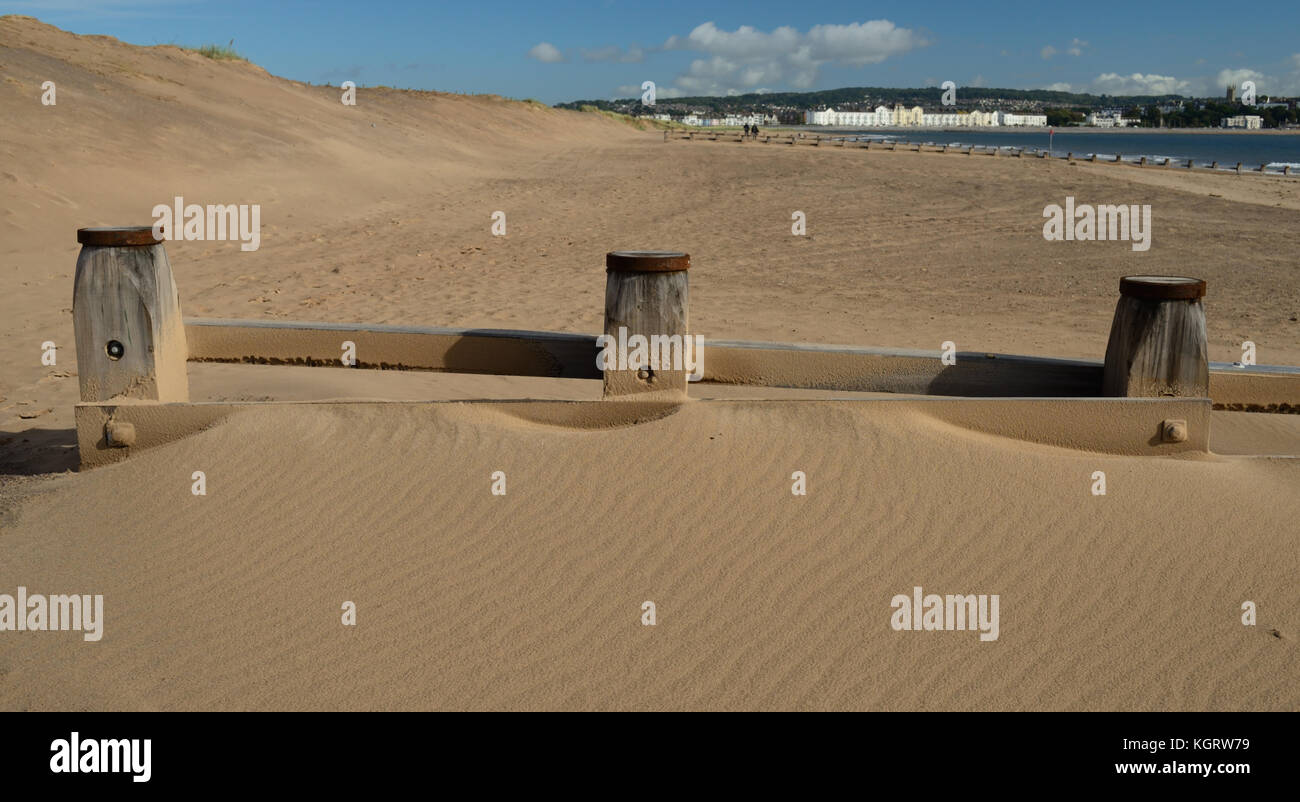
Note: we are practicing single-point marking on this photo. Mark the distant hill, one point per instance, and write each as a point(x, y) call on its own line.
point(967, 96)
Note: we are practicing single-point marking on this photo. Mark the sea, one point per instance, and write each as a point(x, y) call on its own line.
point(1274, 151)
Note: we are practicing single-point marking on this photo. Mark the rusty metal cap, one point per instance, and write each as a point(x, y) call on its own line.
point(1162, 288)
point(117, 236)
point(646, 262)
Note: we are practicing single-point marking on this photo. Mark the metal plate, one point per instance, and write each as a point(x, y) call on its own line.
point(117, 236)
point(646, 262)
point(1162, 288)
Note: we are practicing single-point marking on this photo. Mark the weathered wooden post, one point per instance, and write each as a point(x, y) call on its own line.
point(1238, 168)
point(1157, 340)
point(1142, 162)
point(647, 293)
point(126, 318)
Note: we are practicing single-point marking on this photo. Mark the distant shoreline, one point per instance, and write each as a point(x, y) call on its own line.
point(892, 129)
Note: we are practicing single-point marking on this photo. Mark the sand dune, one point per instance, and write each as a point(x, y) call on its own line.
point(382, 213)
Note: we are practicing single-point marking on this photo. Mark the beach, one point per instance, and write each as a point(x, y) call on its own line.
point(384, 212)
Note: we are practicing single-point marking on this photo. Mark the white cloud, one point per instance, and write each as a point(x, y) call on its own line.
point(1047, 52)
point(1076, 47)
point(1295, 59)
point(546, 53)
point(1138, 84)
point(1226, 78)
point(1060, 86)
point(977, 81)
point(739, 61)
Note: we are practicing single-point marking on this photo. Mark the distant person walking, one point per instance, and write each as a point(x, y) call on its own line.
point(746, 129)
point(755, 130)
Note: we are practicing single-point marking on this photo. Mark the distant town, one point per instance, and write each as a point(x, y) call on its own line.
point(865, 107)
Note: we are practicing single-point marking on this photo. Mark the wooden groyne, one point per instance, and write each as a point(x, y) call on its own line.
point(132, 344)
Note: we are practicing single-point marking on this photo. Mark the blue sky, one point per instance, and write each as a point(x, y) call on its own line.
point(568, 50)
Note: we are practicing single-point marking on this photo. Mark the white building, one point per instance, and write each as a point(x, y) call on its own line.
point(915, 116)
point(1247, 121)
point(1109, 119)
point(1021, 119)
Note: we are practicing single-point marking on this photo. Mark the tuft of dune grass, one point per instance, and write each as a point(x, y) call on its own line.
point(640, 123)
point(218, 52)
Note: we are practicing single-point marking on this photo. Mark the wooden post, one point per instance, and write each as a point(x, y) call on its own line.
point(126, 318)
point(1142, 162)
point(1157, 342)
point(647, 294)
point(1238, 168)
point(1093, 159)
point(1214, 165)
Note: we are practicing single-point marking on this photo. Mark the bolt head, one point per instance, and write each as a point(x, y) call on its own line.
point(1173, 431)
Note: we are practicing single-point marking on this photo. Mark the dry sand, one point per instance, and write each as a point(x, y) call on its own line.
point(532, 600)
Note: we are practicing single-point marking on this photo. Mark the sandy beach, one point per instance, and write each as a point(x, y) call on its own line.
point(383, 213)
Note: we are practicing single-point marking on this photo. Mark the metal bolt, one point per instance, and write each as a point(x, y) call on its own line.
point(1173, 431)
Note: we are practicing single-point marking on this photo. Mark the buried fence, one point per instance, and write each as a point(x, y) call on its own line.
point(863, 143)
point(133, 345)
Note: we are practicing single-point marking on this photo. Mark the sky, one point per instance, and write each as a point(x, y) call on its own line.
point(570, 50)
